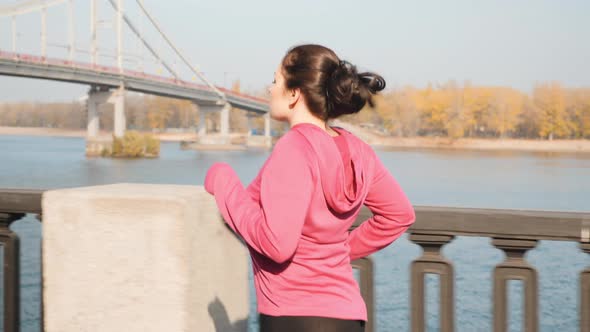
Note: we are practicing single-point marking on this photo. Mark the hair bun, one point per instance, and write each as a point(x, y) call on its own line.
point(347, 91)
point(331, 86)
point(374, 82)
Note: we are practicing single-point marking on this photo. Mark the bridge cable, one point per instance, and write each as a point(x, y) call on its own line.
point(145, 43)
point(182, 57)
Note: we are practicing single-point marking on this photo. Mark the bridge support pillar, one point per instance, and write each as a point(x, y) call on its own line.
point(267, 125)
point(92, 125)
point(223, 136)
point(202, 129)
point(249, 123)
point(259, 141)
point(224, 120)
point(120, 123)
point(96, 96)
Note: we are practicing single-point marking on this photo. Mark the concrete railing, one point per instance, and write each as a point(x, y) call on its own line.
point(512, 231)
point(157, 257)
point(134, 257)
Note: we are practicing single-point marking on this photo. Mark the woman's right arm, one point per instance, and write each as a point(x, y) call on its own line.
point(272, 226)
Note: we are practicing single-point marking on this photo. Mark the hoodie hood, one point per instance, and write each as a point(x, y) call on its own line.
point(344, 175)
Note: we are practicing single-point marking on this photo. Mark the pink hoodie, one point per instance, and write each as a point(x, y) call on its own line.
point(295, 218)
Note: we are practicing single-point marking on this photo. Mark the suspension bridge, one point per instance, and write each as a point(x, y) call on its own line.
point(109, 73)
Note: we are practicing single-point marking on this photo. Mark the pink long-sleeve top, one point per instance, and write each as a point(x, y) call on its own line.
point(296, 214)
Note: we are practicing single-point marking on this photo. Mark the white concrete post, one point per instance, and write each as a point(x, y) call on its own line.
point(141, 258)
point(92, 124)
point(249, 118)
point(224, 120)
point(96, 96)
point(119, 118)
point(267, 124)
point(202, 129)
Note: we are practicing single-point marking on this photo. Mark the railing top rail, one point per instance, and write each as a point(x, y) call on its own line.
point(495, 223)
point(499, 223)
point(20, 200)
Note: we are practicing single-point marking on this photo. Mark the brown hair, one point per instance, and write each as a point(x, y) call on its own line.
point(331, 87)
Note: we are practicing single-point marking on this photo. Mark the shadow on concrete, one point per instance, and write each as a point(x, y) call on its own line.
point(221, 319)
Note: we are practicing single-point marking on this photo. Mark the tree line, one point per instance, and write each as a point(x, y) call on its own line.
point(551, 111)
point(450, 110)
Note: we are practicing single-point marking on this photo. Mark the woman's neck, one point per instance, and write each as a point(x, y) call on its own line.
point(304, 115)
point(317, 122)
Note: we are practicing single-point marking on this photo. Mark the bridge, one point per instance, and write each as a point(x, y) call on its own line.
point(109, 82)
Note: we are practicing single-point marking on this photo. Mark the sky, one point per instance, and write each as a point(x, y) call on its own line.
point(493, 43)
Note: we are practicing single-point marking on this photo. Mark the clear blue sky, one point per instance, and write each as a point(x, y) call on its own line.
point(509, 43)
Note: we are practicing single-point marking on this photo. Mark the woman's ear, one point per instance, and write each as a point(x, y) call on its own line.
point(294, 95)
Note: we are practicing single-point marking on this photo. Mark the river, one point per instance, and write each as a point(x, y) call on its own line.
point(507, 180)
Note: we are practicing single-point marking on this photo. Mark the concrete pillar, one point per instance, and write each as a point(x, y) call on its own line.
point(119, 116)
point(221, 138)
point(92, 125)
point(202, 131)
point(224, 120)
point(259, 141)
point(140, 257)
point(96, 96)
point(267, 124)
point(249, 118)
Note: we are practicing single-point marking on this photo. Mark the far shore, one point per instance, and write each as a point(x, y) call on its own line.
point(481, 144)
point(410, 143)
point(58, 132)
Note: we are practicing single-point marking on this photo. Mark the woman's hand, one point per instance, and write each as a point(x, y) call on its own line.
point(213, 175)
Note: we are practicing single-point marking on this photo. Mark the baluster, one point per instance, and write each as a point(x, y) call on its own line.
point(585, 294)
point(515, 267)
point(10, 243)
point(432, 261)
point(365, 266)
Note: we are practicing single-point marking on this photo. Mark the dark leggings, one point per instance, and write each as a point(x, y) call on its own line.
point(308, 324)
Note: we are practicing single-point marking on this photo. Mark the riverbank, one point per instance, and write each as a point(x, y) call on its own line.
point(563, 146)
point(481, 144)
point(569, 146)
point(57, 132)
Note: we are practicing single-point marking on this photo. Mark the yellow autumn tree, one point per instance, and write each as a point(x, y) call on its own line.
point(505, 109)
point(550, 100)
point(366, 116)
point(578, 108)
point(433, 105)
point(476, 102)
point(399, 112)
point(455, 126)
point(158, 112)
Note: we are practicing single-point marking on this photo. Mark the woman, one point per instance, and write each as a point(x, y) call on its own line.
point(295, 216)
